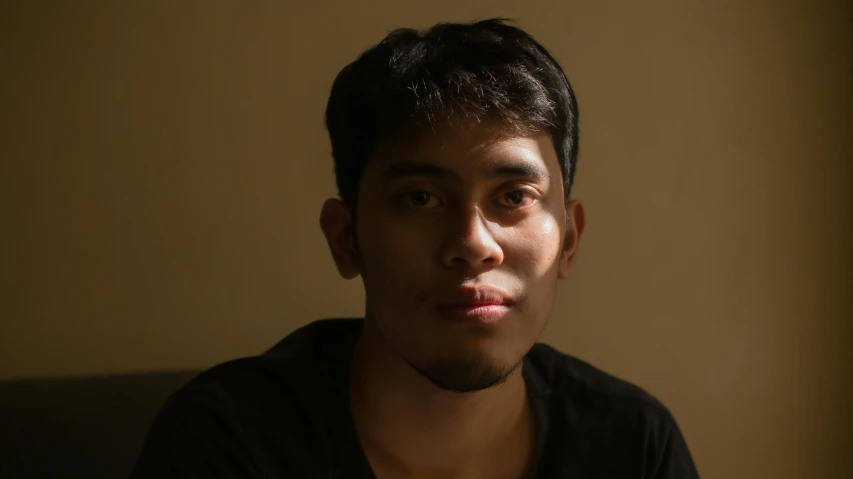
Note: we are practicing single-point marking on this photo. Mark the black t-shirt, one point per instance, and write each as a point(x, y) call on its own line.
point(285, 414)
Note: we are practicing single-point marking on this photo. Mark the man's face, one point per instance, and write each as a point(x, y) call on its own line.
point(461, 235)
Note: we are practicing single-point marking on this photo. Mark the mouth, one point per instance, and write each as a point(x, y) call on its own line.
point(484, 305)
point(478, 313)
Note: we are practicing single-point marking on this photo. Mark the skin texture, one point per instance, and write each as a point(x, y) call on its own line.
point(439, 213)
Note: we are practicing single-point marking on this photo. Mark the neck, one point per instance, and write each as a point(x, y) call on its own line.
point(410, 425)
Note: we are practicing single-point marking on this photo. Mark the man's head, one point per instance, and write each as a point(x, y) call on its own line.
point(455, 151)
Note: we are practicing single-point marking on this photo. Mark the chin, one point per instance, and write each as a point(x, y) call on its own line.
point(468, 372)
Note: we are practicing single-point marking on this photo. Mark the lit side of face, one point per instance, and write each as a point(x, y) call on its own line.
point(461, 237)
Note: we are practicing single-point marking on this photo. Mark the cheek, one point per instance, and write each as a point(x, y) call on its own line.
point(393, 256)
point(537, 247)
point(538, 251)
point(389, 243)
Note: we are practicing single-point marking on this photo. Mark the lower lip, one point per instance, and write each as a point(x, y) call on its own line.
point(484, 313)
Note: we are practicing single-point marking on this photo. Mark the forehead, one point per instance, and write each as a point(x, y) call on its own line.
point(466, 150)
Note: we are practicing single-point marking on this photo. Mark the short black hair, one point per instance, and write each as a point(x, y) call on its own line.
point(486, 69)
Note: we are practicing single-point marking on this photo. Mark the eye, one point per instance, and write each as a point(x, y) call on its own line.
point(516, 199)
point(421, 199)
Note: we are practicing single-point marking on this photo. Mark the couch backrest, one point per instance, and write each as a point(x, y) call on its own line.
point(79, 427)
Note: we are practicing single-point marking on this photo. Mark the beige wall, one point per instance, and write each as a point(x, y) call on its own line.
point(163, 165)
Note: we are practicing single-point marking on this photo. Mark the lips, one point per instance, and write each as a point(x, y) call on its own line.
point(482, 305)
point(473, 297)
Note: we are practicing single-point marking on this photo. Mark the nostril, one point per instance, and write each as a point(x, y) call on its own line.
point(462, 261)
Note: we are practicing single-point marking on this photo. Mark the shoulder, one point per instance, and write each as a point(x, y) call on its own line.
point(291, 364)
point(289, 380)
point(585, 385)
point(243, 411)
point(605, 423)
point(602, 419)
point(288, 369)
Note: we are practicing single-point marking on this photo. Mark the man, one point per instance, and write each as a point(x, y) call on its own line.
point(454, 155)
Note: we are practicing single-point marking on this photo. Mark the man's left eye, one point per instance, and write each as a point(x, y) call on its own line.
point(518, 198)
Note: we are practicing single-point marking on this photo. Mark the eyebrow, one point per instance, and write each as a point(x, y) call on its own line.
point(516, 169)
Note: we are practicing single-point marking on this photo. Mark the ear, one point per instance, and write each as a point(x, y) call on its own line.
point(337, 226)
point(575, 222)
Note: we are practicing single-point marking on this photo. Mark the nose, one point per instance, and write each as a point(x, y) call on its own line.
point(471, 243)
